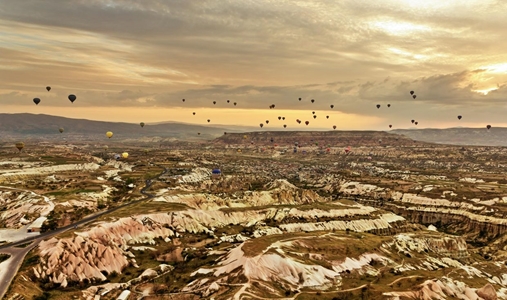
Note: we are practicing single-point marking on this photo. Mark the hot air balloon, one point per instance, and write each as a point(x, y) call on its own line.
point(488, 127)
point(390, 126)
point(388, 105)
point(244, 137)
point(332, 106)
point(412, 121)
point(125, 155)
point(209, 120)
point(60, 129)
point(416, 123)
point(378, 105)
point(261, 125)
point(313, 112)
point(284, 125)
point(198, 133)
point(283, 118)
point(327, 117)
point(214, 102)
point(48, 88)
point(411, 92)
point(228, 101)
point(193, 113)
point(72, 98)
point(183, 100)
point(313, 100)
point(109, 134)
point(459, 117)
point(315, 117)
point(334, 126)
point(267, 121)
point(307, 122)
point(279, 118)
point(225, 132)
point(299, 99)
point(142, 124)
point(414, 96)
point(235, 103)
point(36, 101)
point(20, 146)
point(106, 147)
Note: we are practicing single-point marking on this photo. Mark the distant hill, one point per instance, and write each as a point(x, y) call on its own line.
point(323, 138)
point(459, 136)
point(34, 126)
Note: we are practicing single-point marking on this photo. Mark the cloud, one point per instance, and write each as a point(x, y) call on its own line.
point(353, 54)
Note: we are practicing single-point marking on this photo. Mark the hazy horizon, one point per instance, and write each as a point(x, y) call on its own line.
point(133, 62)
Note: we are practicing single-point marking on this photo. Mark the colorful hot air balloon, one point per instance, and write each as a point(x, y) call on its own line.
point(36, 101)
point(109, 134)
point(60, 129)
point(72, 98)
point(20, 146)
point(48, 88)
point(125, 155)
point(142, 124)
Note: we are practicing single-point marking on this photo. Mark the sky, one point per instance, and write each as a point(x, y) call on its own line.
point(134, 61)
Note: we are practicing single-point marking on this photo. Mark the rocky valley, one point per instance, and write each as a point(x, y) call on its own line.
point(260, 215)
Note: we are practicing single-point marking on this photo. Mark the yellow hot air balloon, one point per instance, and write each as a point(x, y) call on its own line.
point(244, 137)
point(142, 124)
point(20, 145)
point(106, 147)
point(61, 129)
point(125, 155)
point(109, 134)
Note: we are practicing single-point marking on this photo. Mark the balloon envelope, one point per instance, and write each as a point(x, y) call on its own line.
point(142, 124)
point(36, 101)
point(20, 145)
point(109, 134)
point(124, 155)
point(72, 98)
point(48, 88)
point(61, 130)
